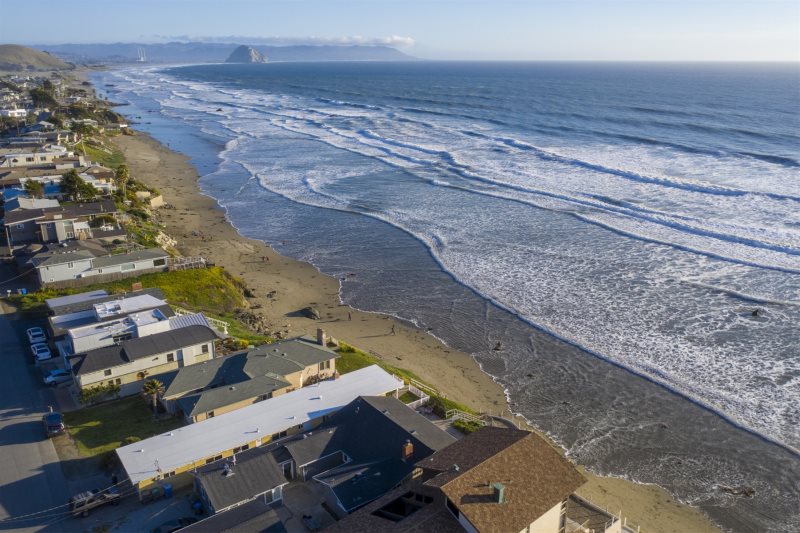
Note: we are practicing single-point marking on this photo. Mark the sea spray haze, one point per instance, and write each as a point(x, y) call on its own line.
point(630, 233)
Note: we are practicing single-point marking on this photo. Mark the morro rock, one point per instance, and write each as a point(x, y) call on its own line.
point(246, 54)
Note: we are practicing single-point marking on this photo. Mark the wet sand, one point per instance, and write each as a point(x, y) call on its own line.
point(200, 228)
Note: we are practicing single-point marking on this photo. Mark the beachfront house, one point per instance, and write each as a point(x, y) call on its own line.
point(363, 450)
point(493, 480)
point(241, 379)
point(129, 363)
point(82, 264)
point(171, 457)
point(55, 224)
point(11, 158)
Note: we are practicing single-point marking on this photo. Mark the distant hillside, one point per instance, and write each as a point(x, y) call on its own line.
point(217, 52)
point(14, 57)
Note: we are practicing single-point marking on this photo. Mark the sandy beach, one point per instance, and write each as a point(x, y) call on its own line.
point(200, 228)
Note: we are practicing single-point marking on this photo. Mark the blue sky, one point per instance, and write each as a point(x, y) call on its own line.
point(445, 29)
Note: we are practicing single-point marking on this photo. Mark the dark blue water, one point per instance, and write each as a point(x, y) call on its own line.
point(630, 233)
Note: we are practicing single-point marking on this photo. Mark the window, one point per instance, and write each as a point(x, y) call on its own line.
point(169, 474)
point(276, 436)
point(70, 265)
point(325, 365)
point(241, 448)
point(170, 357)
point(204, 348)
point(42, 158)
point(20, 226)
point(211, 414)
point(127, 266)
point(264, 397)
point(29, 159)
point(49, 224)
point(159, 262)
point(118, 381)
point(107, 372)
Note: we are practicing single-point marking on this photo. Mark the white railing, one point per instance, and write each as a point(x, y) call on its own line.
point(219, 325)
point(423, 397)
point(184, 263)
point(455, 414)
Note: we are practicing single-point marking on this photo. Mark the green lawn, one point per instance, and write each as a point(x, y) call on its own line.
point(102, 428)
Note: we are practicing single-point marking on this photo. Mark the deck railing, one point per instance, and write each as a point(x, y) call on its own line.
point(219, 325)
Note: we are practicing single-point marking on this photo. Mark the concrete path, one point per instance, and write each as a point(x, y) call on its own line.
point(31, 479)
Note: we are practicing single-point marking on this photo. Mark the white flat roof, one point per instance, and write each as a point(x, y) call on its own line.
point(127, 305)
point(74, 298)
point(261, 420)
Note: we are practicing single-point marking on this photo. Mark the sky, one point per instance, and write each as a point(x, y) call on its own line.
point(654, 30)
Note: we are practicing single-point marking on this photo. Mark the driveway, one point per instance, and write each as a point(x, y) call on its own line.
point(31, 479)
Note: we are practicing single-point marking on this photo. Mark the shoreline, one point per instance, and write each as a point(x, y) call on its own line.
point(200, 226)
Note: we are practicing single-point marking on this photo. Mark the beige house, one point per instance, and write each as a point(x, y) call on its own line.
point(226, 384)
point(495, 480)
point(130, 362)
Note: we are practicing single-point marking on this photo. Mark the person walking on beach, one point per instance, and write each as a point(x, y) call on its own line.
point(393, 333)
point(349, 316)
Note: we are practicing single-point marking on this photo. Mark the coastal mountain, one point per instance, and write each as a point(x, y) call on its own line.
point(15, 58)
point(198, 52)
point(246, 54)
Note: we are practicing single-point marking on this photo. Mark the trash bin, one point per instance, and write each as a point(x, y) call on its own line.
point(167, 490)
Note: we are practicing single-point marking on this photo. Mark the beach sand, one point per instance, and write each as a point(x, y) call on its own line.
point(200, 228)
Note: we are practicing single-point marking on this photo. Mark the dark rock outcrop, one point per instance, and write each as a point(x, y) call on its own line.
point(246, 54)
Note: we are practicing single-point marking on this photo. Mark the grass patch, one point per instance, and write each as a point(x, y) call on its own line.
point(467, 427)
point(102, 428)
point(108, 156)
point(408, 397)
point(210, 290)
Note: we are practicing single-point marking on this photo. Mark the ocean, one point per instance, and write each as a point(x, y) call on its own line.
point(629, 233)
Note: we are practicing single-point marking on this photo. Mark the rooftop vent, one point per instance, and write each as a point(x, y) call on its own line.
point(228, 470)
point(499, 492)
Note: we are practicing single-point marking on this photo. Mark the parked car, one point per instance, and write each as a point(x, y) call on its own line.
point(175, 525)
point(40, 351)
point(36, 335)
point(81, 503)
point(53, 424)
point(56, 376)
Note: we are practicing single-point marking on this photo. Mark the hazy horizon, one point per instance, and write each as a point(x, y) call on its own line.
point(568, 30)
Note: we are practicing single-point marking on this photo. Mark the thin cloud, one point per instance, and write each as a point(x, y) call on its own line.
point(392, 40)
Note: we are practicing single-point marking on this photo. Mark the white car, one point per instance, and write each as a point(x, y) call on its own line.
point(36, 335)
point(56, 376)
point(40, 351)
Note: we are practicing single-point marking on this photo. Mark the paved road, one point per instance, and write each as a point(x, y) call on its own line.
point(31, 479)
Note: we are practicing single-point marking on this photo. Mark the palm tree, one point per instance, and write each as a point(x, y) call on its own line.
point(121, 178)
point(152, 389)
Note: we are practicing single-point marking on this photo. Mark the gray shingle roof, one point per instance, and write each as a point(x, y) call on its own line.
point(209, 400)
point(119, 259)
point(248, 518)
point(239, 367)
point(130, 350)
point(371, 431)
point(167, 340)
point(255, 472)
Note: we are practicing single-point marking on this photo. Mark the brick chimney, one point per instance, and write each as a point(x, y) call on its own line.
point(321, 336)
point(408, 449)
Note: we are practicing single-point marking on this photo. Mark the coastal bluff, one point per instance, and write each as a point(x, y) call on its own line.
point(246, 54)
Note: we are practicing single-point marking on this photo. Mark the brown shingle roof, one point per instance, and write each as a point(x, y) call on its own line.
point(535, 476)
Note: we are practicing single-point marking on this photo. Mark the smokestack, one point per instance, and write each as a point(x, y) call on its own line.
point(321, 336)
